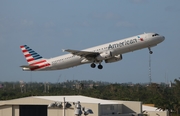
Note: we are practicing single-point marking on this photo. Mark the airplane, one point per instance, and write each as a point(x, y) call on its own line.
point(109, 53)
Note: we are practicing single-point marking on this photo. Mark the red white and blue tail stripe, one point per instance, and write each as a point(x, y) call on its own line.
point(34, 60)
point(30, 55)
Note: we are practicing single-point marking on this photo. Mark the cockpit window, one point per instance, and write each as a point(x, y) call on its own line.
point(155, 34)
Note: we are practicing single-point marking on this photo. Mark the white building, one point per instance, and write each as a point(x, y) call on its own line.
point(38, 106)
point(153, 111)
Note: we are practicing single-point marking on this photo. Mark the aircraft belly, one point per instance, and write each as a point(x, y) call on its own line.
point(67, 64)
point(131, 48)
point(137, 47)
point(124, 49)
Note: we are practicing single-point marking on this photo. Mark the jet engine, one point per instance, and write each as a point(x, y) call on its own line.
point(114, 59)
point(104, 55)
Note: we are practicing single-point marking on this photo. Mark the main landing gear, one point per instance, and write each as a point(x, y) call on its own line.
point(150, 50)
point(93, 65)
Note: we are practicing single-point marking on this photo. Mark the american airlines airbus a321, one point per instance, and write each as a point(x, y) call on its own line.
point(110, 52)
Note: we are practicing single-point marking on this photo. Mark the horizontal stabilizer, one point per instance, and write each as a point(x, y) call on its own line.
point(27, 66)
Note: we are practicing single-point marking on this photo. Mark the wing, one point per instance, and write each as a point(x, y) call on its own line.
point(85, 54)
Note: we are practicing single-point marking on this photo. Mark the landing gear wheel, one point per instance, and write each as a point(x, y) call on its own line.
point(93, 65)
point(150, 52)
point(100, 66)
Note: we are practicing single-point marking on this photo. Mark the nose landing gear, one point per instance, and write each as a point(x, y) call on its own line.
point(150, 50)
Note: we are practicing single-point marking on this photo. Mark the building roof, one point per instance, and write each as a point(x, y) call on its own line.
point(82, 99)
point(150, 108)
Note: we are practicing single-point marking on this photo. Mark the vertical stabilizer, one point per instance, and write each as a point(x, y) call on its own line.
point(34, 60)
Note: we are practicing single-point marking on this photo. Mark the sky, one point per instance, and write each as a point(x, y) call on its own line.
point(48, 26)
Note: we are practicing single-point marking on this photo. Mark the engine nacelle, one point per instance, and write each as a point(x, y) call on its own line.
point(114, 59)
point(104, 55)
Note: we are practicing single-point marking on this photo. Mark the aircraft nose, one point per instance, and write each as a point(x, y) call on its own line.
point(161, 38)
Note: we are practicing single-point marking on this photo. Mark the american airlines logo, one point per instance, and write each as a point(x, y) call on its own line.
point(121, 44)
point(140, 38)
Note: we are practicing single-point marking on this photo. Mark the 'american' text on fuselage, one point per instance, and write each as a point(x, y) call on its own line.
point(121, 44)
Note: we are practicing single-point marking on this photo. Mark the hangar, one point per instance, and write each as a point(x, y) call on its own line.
point(76, 106)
